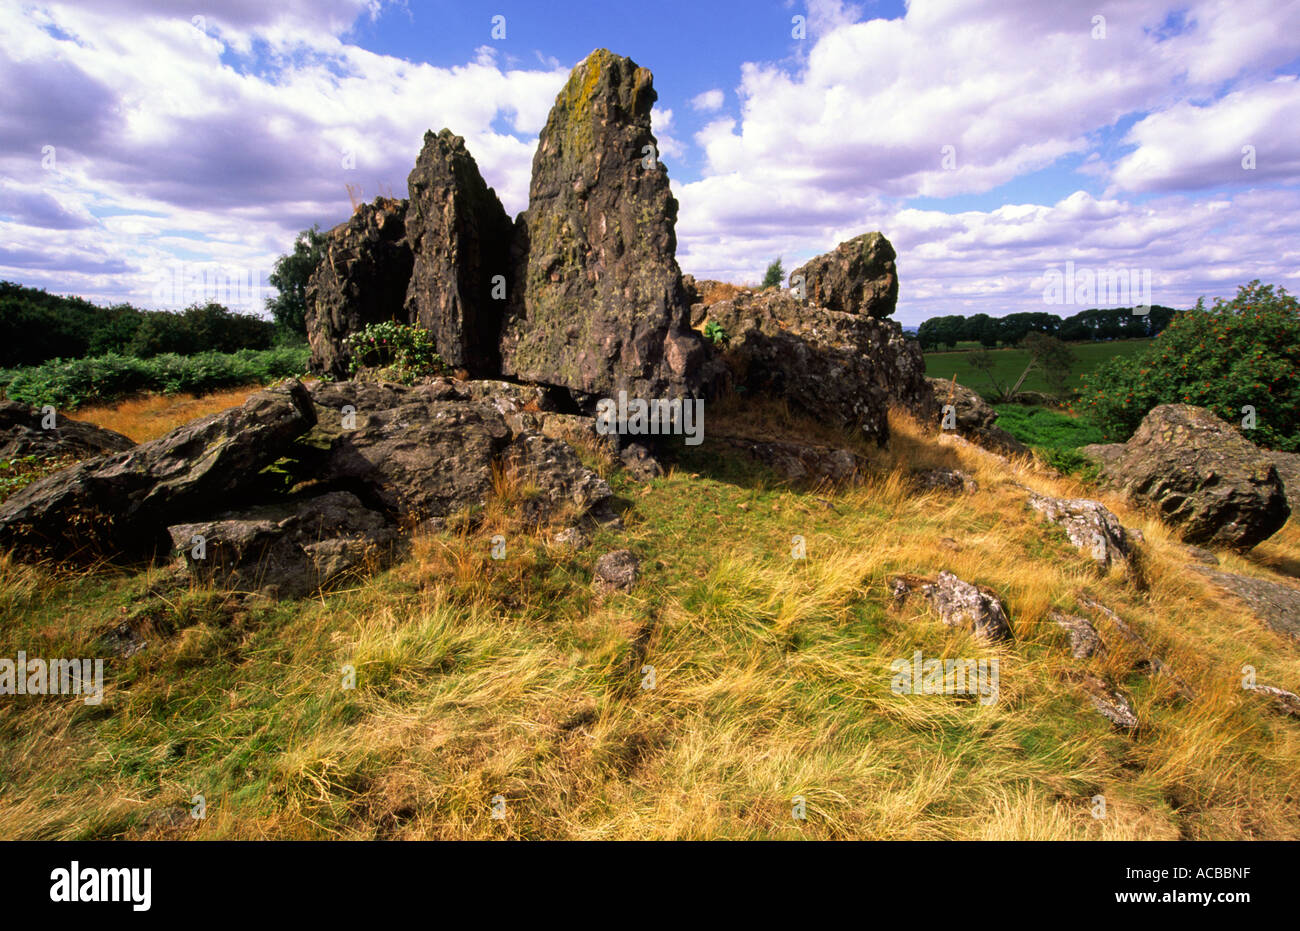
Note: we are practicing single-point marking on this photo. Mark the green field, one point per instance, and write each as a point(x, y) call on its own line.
point(1011, 362)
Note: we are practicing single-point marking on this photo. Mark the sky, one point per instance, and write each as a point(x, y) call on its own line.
point(162, 151)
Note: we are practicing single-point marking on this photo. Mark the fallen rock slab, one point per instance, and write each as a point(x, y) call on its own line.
point(1280, 700)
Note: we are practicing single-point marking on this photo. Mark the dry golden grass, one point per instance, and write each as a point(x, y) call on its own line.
point(482, 679)
point(150, 416)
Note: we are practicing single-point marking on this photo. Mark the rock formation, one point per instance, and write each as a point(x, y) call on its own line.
point(1201, 476)
point(857, 277)
point(460, 241)
point(844, 369)
point(23, 433)
point(599, 306)
point(361, 279)
point(974, 418)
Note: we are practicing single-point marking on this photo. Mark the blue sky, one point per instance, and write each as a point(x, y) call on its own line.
point(152, 157)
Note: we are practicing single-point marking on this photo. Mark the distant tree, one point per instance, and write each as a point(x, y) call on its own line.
point(984, 360)
point(292, 271)
point(1051, 357)
point(774, 277)
point(983, 329)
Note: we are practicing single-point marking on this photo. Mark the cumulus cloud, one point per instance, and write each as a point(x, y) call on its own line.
point(708, 101)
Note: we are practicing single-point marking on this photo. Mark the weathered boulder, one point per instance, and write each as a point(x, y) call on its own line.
point(1091, 527)
point(121, 504)
point(556, 480)
point(287, 549)
point(459, 236)
point(856, 277)
point(598, 304)
point(361, 279)
point(1203, 477)
point(958, 603)
point(944, 480)
point(22, 433)
point(839, 368)
point(973, 418)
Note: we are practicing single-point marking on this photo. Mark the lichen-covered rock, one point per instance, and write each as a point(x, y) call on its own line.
point(1111, 703)
point(1090, 526)
point(856, 277)
point(1085, 642)
point(460, 242)
point(121, 504)
point(23, 433)
point(616, 571)
point(1288, 470)
point(839, 368)
point(1202, 477)
point(287, 549)
point(361, 279)
point(556, 479)
point(972, 418)
point(598, 305)
point(958, 603)
point(944, 480)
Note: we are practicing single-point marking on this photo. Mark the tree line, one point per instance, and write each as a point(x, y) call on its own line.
point(1095, 324)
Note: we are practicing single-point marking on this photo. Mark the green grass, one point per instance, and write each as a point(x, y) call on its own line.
point(1009, 363)
point(478, 677)
point(1055, 434)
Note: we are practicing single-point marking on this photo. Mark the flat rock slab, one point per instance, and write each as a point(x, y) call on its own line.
point(1277, 605)
point(958, 603)
point(1090, 526)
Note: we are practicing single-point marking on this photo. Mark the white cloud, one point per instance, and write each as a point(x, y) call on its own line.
point(708, 101)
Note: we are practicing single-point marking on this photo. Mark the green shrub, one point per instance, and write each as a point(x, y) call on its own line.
point(70, 383)
point(717, 334)
point(403, 352)
point(1239, 353)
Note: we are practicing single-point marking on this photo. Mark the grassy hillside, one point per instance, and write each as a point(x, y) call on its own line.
point(1011, 362)
point(478, 678)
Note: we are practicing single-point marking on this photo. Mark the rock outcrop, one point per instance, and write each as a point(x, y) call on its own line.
point(856, 277)
point(1090, 526)
point(23, 433)
point(121, 504)
point(599, 306)
point(958, 603)
point(460, 242)
point(973, 418)
point(361, 279)
point(839, 368)
point(1202, 477)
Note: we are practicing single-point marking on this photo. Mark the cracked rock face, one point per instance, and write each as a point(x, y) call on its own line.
point(599, 304)
point(1202, 477)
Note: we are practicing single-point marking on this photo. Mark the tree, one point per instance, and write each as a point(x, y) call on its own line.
point(774, 277)
point(984, 360)
point(289, 307)
point(1051, 357)
point(1238, 358)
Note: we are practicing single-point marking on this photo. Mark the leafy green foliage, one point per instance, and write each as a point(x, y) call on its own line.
point(1055, 436)
point(774, 277)
point(289, 277)
point(404, 352)
point(67, 384)
point(1240, 353)
point(36, 326)
point(18, 473)
point(717, 334)
point(1087, 325)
